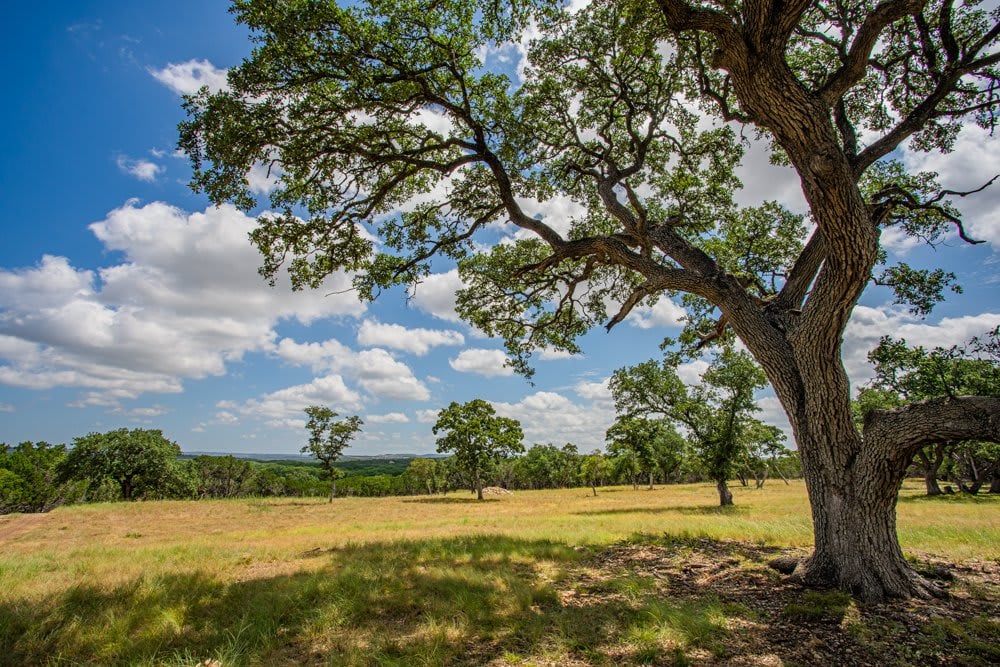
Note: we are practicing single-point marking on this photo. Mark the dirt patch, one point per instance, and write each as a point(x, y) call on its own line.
point(771, 621)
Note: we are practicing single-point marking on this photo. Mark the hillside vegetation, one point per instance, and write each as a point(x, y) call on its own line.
point(536, 577)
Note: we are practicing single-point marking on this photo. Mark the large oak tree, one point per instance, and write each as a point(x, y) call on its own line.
point(396, 145)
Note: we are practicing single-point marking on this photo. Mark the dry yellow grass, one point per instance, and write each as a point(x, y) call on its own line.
point(239, 536)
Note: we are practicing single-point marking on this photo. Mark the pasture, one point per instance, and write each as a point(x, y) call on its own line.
point(533, 578)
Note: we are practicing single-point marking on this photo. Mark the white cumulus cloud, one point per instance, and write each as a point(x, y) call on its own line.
point(281, 407)
point(550, 417)
point(144, 170)
point(188, 77)
point(482, 362)
point(389, 418)
point(435, 295)
point(868, 325)
point(427, 416)
point(974, 161)
point(184, 300)
point(398, 337)
point(664, 313)
point(375, 370)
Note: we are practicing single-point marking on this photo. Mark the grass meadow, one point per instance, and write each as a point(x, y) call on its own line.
point(536, 577)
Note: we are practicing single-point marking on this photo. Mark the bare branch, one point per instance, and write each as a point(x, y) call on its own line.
point(644, 290)
point(717, 332)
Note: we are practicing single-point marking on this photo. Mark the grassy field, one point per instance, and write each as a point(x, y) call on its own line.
point(544, 577)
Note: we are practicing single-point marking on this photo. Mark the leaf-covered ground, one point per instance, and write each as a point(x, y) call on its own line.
point(758, 618)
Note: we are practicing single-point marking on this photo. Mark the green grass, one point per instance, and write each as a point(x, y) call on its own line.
point(819, 606)
point(409, 581)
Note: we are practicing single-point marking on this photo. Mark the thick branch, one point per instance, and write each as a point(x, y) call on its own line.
point(802, 274)
point(900, 432)
point(681, 16)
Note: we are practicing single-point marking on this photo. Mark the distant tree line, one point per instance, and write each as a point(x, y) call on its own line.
point(721, 441)
point(142, 464)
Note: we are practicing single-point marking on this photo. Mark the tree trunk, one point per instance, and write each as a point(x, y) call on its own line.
point(852, 495)
point(931, 469)
point(761, 476)
point(479, 487)
point(593, 487)
point(777, 469)
point(725, 495)
point(995, 483)
point(650, 480)
point(333, 489)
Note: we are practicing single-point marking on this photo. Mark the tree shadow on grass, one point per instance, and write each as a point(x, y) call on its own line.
point(450, 501)
point(709, 510)
point(461, 601)
point(682, 509)
point(981, 498)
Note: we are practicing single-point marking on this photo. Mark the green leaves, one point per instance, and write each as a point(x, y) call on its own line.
point(398, 138)
point(141, 462)
point(715, 413)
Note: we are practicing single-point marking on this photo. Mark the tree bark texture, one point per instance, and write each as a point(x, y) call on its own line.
point(725, 495)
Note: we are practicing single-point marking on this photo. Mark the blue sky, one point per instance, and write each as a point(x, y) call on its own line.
point(126, 300)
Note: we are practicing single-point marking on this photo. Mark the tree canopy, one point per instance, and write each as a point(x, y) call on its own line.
point(398, 142)
point(140, 462)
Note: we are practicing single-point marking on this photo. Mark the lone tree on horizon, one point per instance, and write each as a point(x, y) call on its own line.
point(383, 120)
point(477, 437)
point(328, 439)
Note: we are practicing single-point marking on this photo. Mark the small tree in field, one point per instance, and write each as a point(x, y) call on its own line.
point(716, 413)
point(594, 468)
point(424, 473)
point(328, 439)
point(657, 446)
point(477, 437)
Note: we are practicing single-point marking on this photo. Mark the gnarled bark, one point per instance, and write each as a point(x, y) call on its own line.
point(854, 505)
